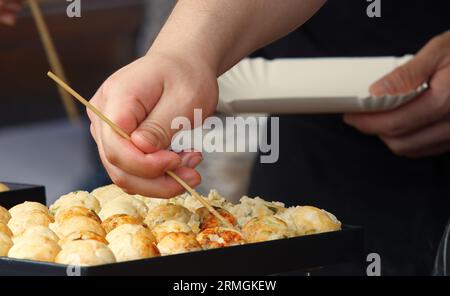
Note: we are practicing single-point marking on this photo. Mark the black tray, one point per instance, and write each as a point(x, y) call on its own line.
point(272, 257)
point(278, 256)
point(20, 193)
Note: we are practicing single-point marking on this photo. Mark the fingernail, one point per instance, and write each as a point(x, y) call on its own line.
point(193, 181)
point(193, 161)
point(173, 164)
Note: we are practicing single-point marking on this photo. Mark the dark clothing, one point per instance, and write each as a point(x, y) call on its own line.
point(442, 263)
point(342, 28)
point(403, 204)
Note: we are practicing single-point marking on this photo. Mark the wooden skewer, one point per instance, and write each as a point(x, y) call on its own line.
point(53, 59)
point(122, 133)
point(200, 199)
point(91, 107)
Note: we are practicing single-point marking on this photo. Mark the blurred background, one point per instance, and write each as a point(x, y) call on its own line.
point(38, 145)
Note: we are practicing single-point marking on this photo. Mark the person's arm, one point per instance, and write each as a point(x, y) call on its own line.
point(9, 10)
point(223, 32)
point(421, 127)
point(201, 39)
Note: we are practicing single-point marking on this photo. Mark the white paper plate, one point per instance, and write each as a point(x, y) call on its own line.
point(320, 85)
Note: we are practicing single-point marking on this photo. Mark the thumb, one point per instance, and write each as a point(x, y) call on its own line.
point(155, 132)
point(407, 77)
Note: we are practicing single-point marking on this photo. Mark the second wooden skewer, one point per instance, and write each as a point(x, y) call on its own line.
point(53, 58)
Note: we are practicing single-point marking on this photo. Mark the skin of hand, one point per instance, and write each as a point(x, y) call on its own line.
point(200, 40)
point(9, 10)
point(142, 98)
point(420, 128)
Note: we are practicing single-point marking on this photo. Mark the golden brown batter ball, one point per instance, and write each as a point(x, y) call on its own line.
point(265, 228)
point(37, 248)
point(309, 220)
point(67, 213)
point(218, 237)
point(5, 244)
point(4, 215)
point(24, 220)
point(166, 212)
point(178, 242)
point(124, 204)
point(37, 230)
point(28, 206)
point(76, 198)
point(208, 220)
point(5, 230)
point(132, 242)
point(85, 253)
point(163, 229)
point(107, 193)
point(116, 220)
point(3, 187)
point(80, 223)
point(82, 235)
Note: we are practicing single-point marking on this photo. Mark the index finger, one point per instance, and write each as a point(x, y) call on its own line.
point(125, 155)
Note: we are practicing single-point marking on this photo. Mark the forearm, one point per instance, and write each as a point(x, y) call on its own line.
point(220, 33)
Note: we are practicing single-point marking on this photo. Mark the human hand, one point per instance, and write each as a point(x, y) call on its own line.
point(421, 127)
point(8, 11)
point(199, 41)
point(143, 98)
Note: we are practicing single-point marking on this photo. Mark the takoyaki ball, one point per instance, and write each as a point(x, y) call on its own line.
point(76, 198)
point(208, 220)
point(249, 208)
point(24, 220)
point(82, 235)
point(170, 226)
point(5, 230)
point(178, 242)
point(28, 206)
point(124, 204)
point(107, 193)
point(4, 215)
point(132, 242)
point(67, 213)
point(218, 237)
point(194, 223)
point(151, 202)
point(80, 223)
point(85, 253)
point(54, 227)
point(3, 187)
point(37, 248)
point(116, 220)
point(35, 231)
point(309, 220)
point(166, 212)
point(5, 244)
point(265, 228)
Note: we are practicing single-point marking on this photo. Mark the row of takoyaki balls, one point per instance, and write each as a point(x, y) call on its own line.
point(108, 225)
